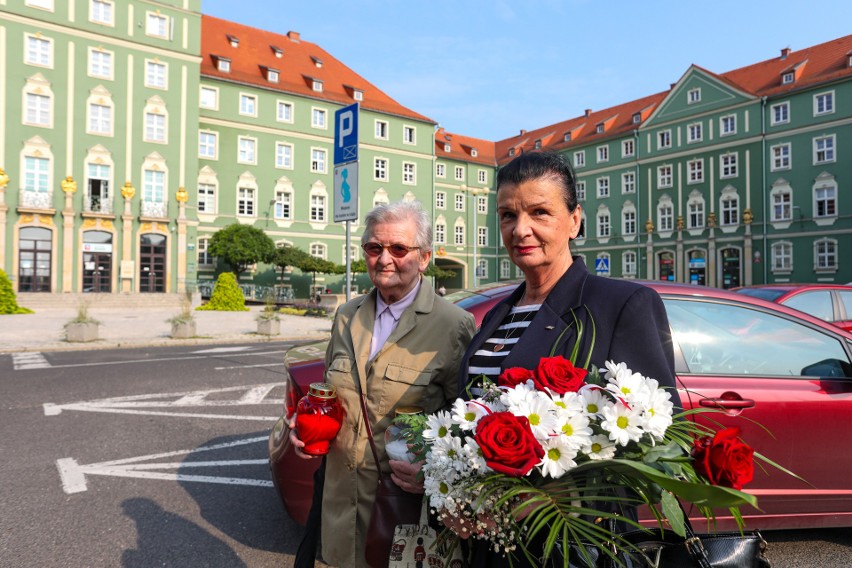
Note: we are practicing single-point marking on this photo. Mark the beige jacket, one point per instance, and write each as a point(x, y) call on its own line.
point(418, 365)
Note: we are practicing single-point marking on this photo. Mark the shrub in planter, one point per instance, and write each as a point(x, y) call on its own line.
point(183, 324)
point(226, 296)
point(268, 320)
point(8, 300)
point(83, 328)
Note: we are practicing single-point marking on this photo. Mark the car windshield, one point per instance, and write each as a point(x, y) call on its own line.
point(762, 293)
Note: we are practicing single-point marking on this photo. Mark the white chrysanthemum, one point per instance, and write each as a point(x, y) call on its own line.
point(658, 413)
point(518, 394)
point(622, 423)
point(467, 413)
point(594, 400)
point(600, 447)
point(616, 371)
point(573, 427)
point(438, 425)
point(558, 457)
point(631, 387)
point(570, 401)
point(539, 410)
point(449, 449)
point(473, 456)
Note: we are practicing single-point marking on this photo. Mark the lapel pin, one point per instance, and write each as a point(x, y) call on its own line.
point(549, 327)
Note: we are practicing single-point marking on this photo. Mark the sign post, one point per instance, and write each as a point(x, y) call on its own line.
point(346, 177)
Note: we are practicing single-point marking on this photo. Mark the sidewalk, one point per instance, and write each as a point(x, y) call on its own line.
point(141, 327)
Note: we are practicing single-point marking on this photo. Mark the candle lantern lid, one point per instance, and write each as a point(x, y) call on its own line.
point(322, 390)
point(409, 410)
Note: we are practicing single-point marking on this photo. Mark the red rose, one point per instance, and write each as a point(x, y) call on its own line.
point(559, 375)
point(514, 377)
point(724, 460)
point(508, 444)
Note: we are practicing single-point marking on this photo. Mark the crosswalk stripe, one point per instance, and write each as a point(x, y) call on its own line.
point(24, 361)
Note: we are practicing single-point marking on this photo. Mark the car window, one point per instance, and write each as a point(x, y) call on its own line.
point(734, 339)
point(816, 303)
point(846, 299)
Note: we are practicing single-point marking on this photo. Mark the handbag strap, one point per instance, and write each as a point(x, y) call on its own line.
point(370, 435)
point(693, 542)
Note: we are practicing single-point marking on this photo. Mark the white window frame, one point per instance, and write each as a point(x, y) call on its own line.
point(603, 225)
point(38, 109)
point(628, 148)
point(693, 96)
point(695, 171)
point(696, 208)
point(665, 175)
point(440, 200)
point(825, 255)
point(824, 149)
point(779, 109)
point(43, 4)
point(781, 204)
point(602, 185)
point(505, 269)
point(695, 132)
point(458, 233)
point(102, 69)
point(319, 118)
point(664, 139)
point(628, 263)
point(246, 201)
point(100, 117)
point(580, 188)
point(38, 51)
point(284, 155)
point(782, 256)
point(440, 232)
point(37, 173)
point(824, 103)
point(729, 206)
point(156, 127)
point(409, 173)
point(284, 111)
point(459, 202)
point(319, 250)
point(318, 207)
point(440, 170)
point(729, 165)
point(482, 176)
point(459, 173)
point(603, 154)
point(214, 92)
point(319, 160)
point(380, 169)
point(580, 159)
point(482, 204)
point(628, 221)
point(727, 125)
point(628, 182)
point(780, 156)
point(825, 200)
point(246, 150)
point(381, 129)
point(102, 12)
point(482, 236)
point(409, 135)
point(248, 104)
point(157, 25)
point(283, 205)
point(665, 216)
point(206, 193)
point(156, 74)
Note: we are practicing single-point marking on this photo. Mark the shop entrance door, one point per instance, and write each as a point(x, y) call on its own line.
point(152, 263)
point(34, 259)
point(97, 272)
point(730, 268)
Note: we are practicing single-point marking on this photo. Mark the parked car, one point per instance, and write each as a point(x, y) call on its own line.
point(829, 302)
point(783, 377)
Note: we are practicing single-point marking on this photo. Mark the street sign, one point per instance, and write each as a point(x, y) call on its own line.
point(346, 135)
point(346, 192)
point(602, 265)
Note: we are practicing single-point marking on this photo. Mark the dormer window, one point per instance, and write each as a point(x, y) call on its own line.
point(566, 137)
point(223, 64)
point(538, 144)
point(693, 96)
point(272, 75)
point(233, 40)
point(279, 53)
point(317, 62)
point(317, 85)
point(637, 118)
point(473, 152)
point(358, 95)
point(446, 147)
point(511, 152)
point(599, 128)
point(788, 78)
point(849, 61)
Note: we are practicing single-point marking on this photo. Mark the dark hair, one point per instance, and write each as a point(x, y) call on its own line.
point(536, 165)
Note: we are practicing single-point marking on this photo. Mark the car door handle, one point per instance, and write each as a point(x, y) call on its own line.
point(727, 402)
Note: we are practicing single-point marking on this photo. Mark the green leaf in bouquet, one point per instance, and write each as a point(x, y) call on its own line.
point(672, 512)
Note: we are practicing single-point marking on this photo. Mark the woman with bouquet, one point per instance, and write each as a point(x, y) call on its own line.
point(560, 308)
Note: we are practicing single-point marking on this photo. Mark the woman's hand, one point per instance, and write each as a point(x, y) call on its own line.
point(296, 442)
point(407, 476)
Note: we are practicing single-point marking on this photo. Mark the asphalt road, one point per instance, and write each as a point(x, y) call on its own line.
point(139, 458)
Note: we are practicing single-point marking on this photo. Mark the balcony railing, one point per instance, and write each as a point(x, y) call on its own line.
point(36, 199)
point(154, 209)
point(97, 204)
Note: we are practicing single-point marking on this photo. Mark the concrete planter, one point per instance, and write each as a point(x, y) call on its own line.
point(81, 332)
point(269, 327)
point(183, 330)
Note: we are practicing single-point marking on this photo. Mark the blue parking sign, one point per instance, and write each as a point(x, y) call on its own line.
point(346, 135)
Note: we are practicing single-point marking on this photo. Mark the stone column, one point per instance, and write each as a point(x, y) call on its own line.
point(711, 250)
point(182, 198)
point(650, 273)
point(4, 181)
point(679, 257)
point(127, 270)
point(69, 187)
point(748, 249)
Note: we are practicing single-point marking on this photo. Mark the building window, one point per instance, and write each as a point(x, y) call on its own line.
point(283, 205)
point(459, 202)
point(824, 149)
point(780, 157)
point(665, 217)
point(729, 165)
point(100, 63)
point(409, 135)
point(155, 127)
point(36, 174)
point(603, 186)
point(207, 145)
point(505, 269)
point(206, 198)
point(482, 176)
point(482, 268)
point(694, 133)
point(581, 190)
point(825, 201)
point(100, 119)
point(580, 159)
point(481, 204)
point(693, 96)
point(223, 64)
point(440, 233)
point(100, 12)
point(380, 198)
point(440, 200)
point(380, 169)
point(440, 170)
point(245, 201)
point(318, 160)
point(409, 173)
point(204, 257)
point(272, 75)
point(155, 75)
point(728, 124)
point(782, 257)
point(628, 263)
point(782, 204)
point(44, 4)
point(284, 155)
point(603, 224)
point(695, 218)
point(157, 25)
point(97, 198)
point(823, 103)
point(730, 206)
point(37, 110)
point(628, 182)
point(318, 118)
point(154, 187)
point(628, 148)
point(318, 208)
point(248, 105)
point(458, 235)
point(317, 85)
point(247, 153)
point(209, 98)
point(628, 221)
point(381, 130)
point(39, 51)
point(664, 176)
point(825, 254)
point(482, 236)
point(284, 112)
point(664, 139)
point(788, 78)
point(459, 173)
point(603, 154)
point(780, 113)
point(696, 171)
point(319, 250)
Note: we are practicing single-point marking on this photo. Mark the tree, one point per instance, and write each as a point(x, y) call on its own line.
point(439, 273)
point(286, 256)
point(227, 296)
point(241, 246)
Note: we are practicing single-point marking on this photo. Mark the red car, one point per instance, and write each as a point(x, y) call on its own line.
point(829, 302)
point(783, 377)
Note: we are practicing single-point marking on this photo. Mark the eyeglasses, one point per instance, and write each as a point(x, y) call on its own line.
point(396, 250)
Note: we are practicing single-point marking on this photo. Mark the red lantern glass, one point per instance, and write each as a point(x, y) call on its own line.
point(318, 418)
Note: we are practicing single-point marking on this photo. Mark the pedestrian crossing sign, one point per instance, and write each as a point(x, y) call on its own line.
point(602, 265)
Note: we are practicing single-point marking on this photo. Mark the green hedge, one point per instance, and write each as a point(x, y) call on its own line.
point(8, 299)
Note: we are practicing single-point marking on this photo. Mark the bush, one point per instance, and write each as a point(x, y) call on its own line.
point(293, 311)
point(8, 299)
point(226, 296)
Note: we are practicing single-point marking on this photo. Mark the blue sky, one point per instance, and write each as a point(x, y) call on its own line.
point(491, 68)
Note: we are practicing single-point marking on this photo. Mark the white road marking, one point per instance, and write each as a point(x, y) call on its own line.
point(73, 475)
point(180, 358)
point(248, 366)
point(31, 360)
point(177, 404)
point(224, 349)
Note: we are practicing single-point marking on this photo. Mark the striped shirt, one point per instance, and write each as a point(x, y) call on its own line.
point(488, 359)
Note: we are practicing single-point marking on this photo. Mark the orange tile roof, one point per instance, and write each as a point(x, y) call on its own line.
point(461, 148)
point(297, 66)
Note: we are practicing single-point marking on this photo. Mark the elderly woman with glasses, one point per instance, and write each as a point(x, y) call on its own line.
point(401, 346)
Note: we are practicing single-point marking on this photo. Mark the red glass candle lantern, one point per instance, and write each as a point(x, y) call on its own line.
point(318, 418)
